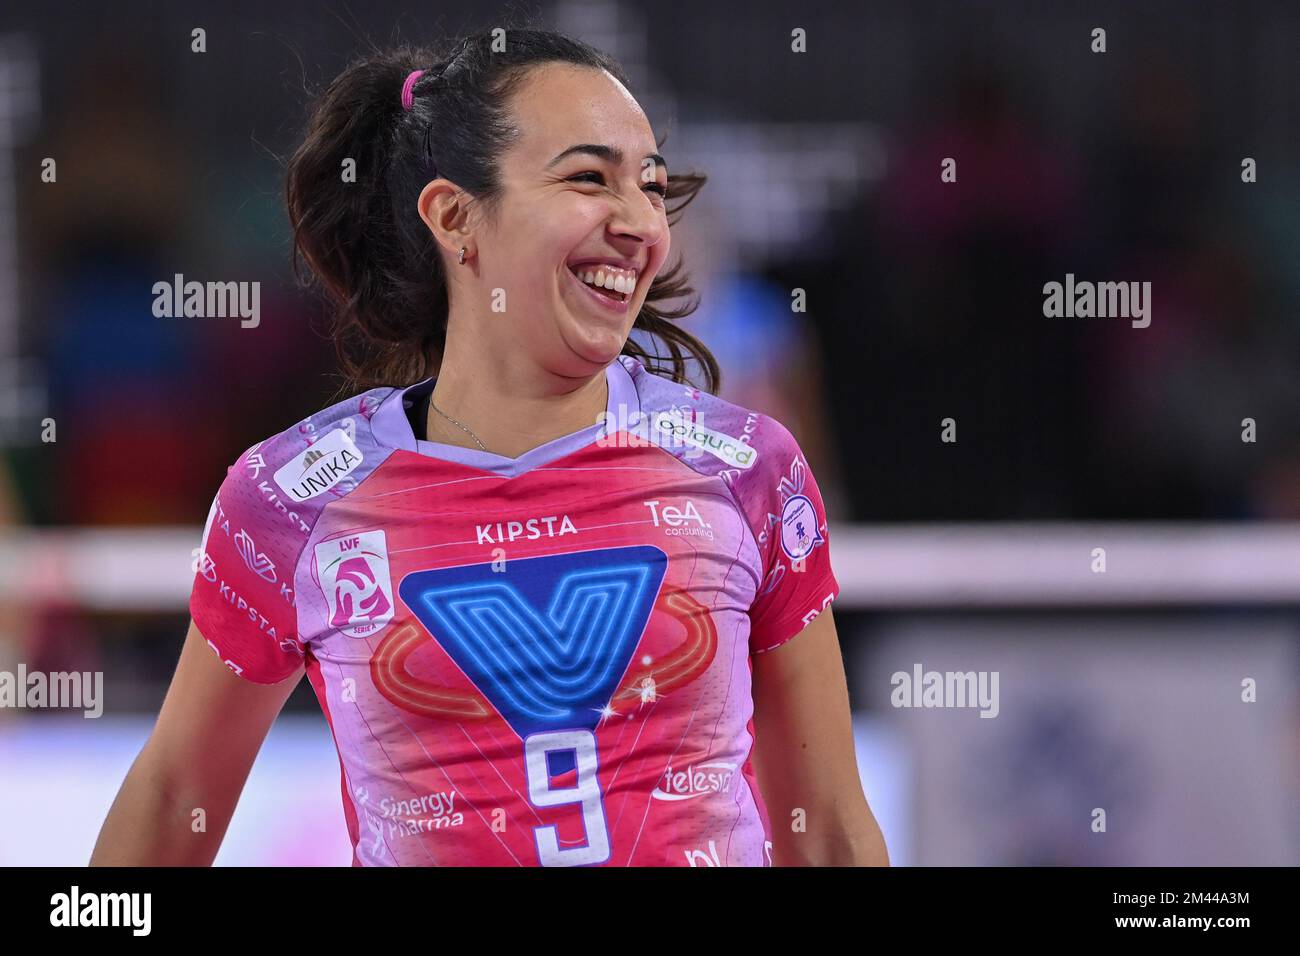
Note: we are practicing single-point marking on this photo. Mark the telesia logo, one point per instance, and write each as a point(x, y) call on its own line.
point(353, 574)
point(696, 780)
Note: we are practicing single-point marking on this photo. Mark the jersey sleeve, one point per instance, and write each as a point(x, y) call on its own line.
point(789, 522)
point(242, 600)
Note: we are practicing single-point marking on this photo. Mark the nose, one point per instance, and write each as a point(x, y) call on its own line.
point(638, 217)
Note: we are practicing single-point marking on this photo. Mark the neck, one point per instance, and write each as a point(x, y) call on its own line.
point(511, 408)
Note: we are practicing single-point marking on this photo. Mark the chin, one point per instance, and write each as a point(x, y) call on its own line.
point(597, 342)
point(600, 349)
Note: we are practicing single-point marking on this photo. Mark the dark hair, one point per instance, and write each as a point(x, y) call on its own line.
point(364, 242)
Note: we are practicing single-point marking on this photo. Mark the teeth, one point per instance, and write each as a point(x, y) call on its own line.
point(620, 282)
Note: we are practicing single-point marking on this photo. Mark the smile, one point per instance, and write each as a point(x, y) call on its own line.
point(612, 301)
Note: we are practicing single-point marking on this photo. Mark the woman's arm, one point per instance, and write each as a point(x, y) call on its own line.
point(804, 757)
point(209, 730)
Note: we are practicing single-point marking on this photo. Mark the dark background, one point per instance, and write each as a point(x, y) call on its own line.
point(924, 298)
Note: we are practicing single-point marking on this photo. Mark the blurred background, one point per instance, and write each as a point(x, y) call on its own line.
point(1119, 690)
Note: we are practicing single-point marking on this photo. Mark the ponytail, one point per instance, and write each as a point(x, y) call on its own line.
point(360, 240)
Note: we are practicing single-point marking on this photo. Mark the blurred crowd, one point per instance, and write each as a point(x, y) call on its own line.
point(927, 306)
point(934, 310)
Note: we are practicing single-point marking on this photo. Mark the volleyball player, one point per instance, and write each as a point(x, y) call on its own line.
point(559, 606)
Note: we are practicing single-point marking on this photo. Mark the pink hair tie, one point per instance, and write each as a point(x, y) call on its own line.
point(407, 87)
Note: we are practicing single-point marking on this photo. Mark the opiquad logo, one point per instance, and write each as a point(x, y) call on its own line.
point(735, 452)
point(352, 571)
point(322, 466)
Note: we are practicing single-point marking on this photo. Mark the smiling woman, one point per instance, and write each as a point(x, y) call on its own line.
point(482, 161)
point(534, 582)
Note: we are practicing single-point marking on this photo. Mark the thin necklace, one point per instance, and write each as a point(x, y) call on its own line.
point(450, 419)
point(454, 421)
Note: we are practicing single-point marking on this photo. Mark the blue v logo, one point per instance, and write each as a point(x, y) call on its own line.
point(548, 639)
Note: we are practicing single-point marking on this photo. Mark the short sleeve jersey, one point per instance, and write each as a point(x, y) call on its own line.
point(534, 661)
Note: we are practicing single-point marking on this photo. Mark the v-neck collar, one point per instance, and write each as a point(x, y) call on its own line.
point(391, 427)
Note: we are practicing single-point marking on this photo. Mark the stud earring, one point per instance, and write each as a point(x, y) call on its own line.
point(462, 255)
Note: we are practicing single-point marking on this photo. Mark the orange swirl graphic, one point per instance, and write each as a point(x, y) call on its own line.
point(688, 660)
point(395, 682)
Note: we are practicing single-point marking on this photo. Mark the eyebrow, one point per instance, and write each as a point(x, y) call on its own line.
point(611, 154)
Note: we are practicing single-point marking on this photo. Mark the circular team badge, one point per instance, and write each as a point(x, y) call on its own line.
point(799, 527)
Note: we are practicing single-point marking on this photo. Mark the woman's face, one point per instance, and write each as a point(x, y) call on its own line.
point(564, 210)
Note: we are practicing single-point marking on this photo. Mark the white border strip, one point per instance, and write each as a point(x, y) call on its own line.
point(1036, 564)
point(878, 566)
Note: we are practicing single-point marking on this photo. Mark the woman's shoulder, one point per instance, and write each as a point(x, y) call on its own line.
point(323, 456)
point(706, 430)
point(338, 425)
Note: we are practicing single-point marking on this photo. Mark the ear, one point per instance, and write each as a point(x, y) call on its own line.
point(440, 206)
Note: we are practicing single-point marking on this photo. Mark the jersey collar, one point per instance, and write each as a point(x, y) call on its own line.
point(623, 409)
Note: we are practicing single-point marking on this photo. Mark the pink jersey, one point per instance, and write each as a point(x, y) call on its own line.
point(541, 660)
